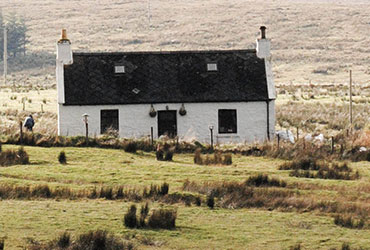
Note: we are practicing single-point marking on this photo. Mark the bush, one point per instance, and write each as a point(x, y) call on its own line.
point(168, 155)
point(165, 152)
point(164, 189)
point(163, 218)
point(94, 240)
point(130, 219)
point(198, 201)
point(130, 147)
point(159, 155)
point(144, 211)
point(348, 221)
point(210, 201)
point(12, 157)
point(227, 159)
point(106, 193)
point(62, 158)
point(264, 180)
point(2, 244)
point(217, 158)
point(198, 157)
point(64, 240)
point(296, 247)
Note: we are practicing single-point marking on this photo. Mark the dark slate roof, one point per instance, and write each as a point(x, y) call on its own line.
point(162, 77)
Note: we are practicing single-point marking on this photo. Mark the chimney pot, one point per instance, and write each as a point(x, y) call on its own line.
point(64, 37)
point(64, 34)
point(263, 32)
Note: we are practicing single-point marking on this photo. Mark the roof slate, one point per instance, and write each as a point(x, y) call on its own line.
point(165, 77)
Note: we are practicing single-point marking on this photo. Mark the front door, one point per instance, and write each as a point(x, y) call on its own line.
point(167, 123)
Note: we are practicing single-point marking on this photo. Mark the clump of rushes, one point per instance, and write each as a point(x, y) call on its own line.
point(130, 219)
point(211, 201)
point(62, 158)
point(163, 218)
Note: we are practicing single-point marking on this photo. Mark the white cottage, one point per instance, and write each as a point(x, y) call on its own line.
point(177, 93)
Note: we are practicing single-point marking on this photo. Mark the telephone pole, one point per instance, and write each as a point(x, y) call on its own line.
point(149, 14)
point(350, 98)
point(5, 53)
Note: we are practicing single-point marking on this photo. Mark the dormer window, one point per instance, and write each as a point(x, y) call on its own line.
point(211, 66)
point(119, 69)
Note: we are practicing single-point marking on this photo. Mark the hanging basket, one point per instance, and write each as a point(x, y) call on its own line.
point(182, 110)
point(152, 112)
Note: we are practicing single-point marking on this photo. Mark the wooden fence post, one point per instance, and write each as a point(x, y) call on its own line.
point(20, 133)
point(278, 139)
point(151, 136)
point(87, 133)
point(332, 144)
point(297, 133)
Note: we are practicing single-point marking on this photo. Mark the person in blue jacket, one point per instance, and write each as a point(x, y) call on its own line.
point(29, 123)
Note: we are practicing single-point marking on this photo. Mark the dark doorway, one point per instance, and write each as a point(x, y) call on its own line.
point(167, 123)
point(108, 120)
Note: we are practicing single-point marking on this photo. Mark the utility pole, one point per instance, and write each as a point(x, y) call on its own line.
point(149, 14)
point(350, 98)
point(5, 53)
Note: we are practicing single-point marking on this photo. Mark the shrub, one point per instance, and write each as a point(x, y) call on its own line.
point(303, 164)
point(159, 155)
point(106, 193)
point(144, 211)
point(210, 201)
point(42, 191)
point(163, 218)
point(12, 157)
point(198, 201)
point(345, 246)
point(165, 152)
point(2, 244)
point(164, 189)
point(217, 158)
point(94, 240)
point(227, 159)
point(168, 155)
point(62, 158)
point(198, 157)
point(130, 147)
point(264, 180)
point(64, 240)
point(130, 219)
point(296, 247)
point(348, 221)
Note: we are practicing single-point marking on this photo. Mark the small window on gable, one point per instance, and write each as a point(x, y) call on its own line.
point(211, 66)
point(119, 69)
point(227, 123)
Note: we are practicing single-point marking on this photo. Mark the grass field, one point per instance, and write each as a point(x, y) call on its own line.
point(197, 227)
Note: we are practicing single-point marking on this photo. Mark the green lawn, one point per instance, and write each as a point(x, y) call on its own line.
point(197, 227)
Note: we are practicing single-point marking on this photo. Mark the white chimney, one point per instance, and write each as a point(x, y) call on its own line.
point(64, 51)
point(64, 57)
point(263, 45)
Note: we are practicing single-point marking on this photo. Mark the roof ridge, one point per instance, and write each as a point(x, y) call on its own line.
point(165, 52)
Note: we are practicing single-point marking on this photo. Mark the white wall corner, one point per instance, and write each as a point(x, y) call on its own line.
point(270, 79)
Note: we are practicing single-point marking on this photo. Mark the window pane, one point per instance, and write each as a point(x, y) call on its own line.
point(108, 120)
point(227, 121)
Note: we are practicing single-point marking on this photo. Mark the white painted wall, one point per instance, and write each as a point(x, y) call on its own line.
point(135, 122)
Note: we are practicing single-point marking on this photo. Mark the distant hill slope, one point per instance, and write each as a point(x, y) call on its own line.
point(314, 41)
